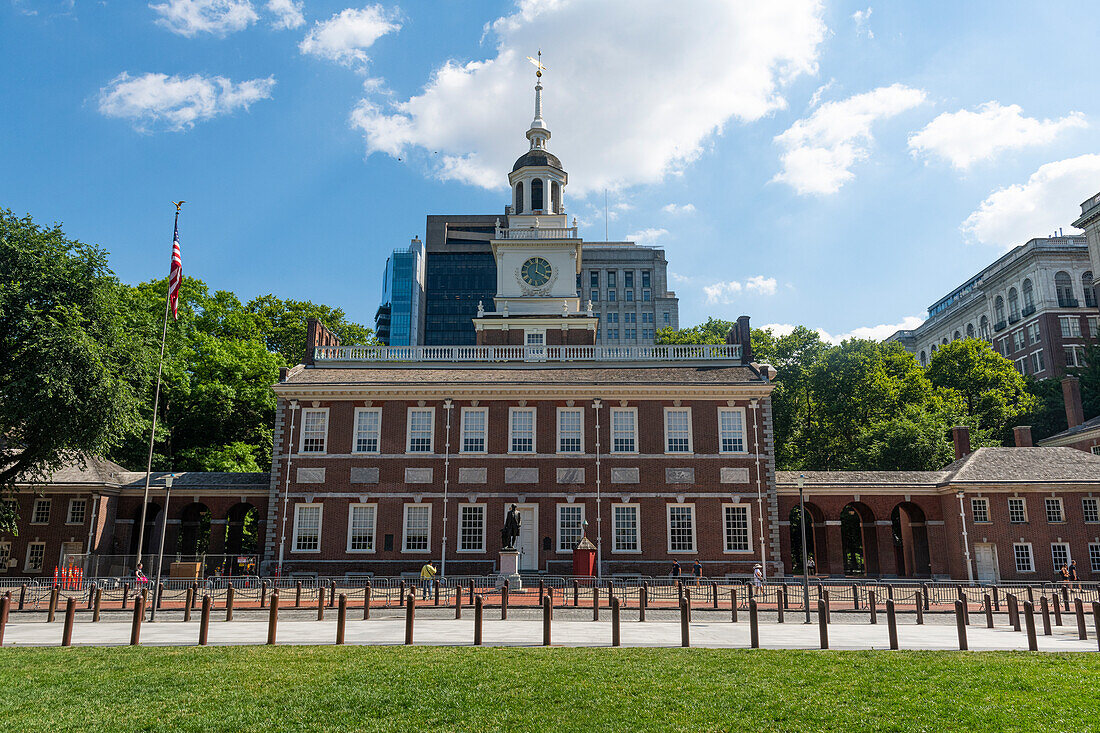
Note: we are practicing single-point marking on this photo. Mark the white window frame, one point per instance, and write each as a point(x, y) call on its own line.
point(1095, 450)
point(5, 555)
point(27, 567)
point(562, 548)
point(1038, 362)
point(467, 411)
point(690, 431)
point(484, 519)
point(1069, 556)
point(570, 410)
point(1094, 557)
point(373, 507)
point(409, 432)
point(744, 430)
point(694, 528)
point(297, 527)
point(611, 428)
point(302, 430)
point(512, 412)
point(1090, 505)
point(1048, 503)
point(377, 434)
point(83, 503)
point(637, 509)
point(1016, 557)
point(1023, 506)
point(539, 335)
point(728, 549)
point(405, 529)
point(41, 501)
point(1070, 326)
point(975, 503)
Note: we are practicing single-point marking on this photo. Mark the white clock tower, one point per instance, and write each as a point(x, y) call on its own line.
point(538, 255)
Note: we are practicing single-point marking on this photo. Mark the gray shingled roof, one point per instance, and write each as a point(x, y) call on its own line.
point(1084, 427)
point(664, 374)
point(863, 478)
point(197, 479)
point(93, 471)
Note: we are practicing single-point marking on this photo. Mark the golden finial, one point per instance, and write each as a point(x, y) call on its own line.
point(178, 205)
point(538, 64)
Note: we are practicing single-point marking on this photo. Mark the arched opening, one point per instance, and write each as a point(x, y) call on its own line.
point(1013, 305)
point(923, 358)
point(1090, 294)
point(983, 328)
point(519, 198)
point(933, 348)
point(957, 336)
point(910, 541)
point(242, 538)
point(999, 311)
point(944, 342)
point(1029, 298)
point(194, 530)
point(970, 330)
point(815, 540)
point(151, 540)
point(536, 195)
point(857, 534)
point(1063, 286)
point(555, 197)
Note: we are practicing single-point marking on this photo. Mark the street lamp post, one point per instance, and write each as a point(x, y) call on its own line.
point(596, 404)
point(286, 486)
point(448, 405)
point(966, 541)
point(805, 561)
point(160, 553)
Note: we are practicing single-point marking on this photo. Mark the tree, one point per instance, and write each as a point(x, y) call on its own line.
point(282, 324)
point(714, 331)
point(68, 359)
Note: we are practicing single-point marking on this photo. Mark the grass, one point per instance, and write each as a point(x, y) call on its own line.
point(441, 689)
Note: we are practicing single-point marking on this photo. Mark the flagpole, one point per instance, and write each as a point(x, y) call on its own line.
point(156, 406)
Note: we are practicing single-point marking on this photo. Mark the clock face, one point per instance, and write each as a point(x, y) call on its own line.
point(536, 272)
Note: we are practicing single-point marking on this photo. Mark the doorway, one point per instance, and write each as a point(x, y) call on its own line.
point(985, 558)
point(527, 543)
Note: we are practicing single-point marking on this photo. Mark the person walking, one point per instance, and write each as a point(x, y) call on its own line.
point(1063, 575)
point(697, 572)
point(675, 569)
point(757, 576)
point(426, 574)
point(1073, 574)
point(811, 565)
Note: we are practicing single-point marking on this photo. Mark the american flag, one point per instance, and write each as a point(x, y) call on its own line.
point(175, 274)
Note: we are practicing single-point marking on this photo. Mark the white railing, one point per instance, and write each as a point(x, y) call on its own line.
point(383, 354)
point(536, 233)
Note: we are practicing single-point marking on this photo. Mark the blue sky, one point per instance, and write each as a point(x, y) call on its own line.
point(840, 165)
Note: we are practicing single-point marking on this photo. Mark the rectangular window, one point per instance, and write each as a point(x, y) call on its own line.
point(646, 296)
point(41, 513)
point(1022, 553)
point(368, 428)
point(647, 318)
point(1090, 507)
point(521, 430)
point(731, 429)
point(421, 427)
point(1017, 511)
point(1033, 333)
point(678, 430)
point(624, 430)
point(314, 430)
point(1037, 362)
point(629, 296)
point(475, 422)
point(624, 528)
point(630, 333)
point(612, 317)
point(1094, 556)
point(736, 518)
point(78, 509)
point(1054, 510)
point(1018, 340)
point(1059, 553)
point(1071, 327)
point(595, 296)
point(594, 279)
point(645, 278)
point(666, 318)
point(1075, 356)
point(36, 553)
point(5, 553)
point(307, 527)
point(471, 527)
point(536, 338)
point(361, 527)
point(1021, 365)
point(980, 509)
point(570, 430)
point(418, 522)
point(611, 296)
point(611, 277)
point(628, 279)
point(630, 317)
point(1094, 326)
point(681, 528)
point(570, 526)
point(613, 333)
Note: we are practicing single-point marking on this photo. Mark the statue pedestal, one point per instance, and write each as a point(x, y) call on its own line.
point(509, 570)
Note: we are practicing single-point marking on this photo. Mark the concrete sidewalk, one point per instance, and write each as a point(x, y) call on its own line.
point(451, 632)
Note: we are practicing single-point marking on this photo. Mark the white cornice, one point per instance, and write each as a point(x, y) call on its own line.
point(523, 391)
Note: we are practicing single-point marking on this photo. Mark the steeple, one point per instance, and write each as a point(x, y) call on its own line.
point(538, 133)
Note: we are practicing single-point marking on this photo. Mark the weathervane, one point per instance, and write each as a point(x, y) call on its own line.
point(538, 64)
point(178, 205)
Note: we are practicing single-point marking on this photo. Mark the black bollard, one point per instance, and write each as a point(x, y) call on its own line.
point(546, 622)
point(410, 614)
point(263, 594)
point(320, 604)
point(1029, 624)
point(576, 594)
point(920, 608)
point(504, 602)
point(229, 604)
point(298, 594)
point(273, 617)
point(477, 620)
point(828, 608)
point(341, 618)
point(436, 588)
point(70, 616)
point(542, 590)
point(643, 601)
point(458, 603)
point(187, 604)
point(786, 599)
point(988, 612)
point(685, 629)
point(401, 598)
point(855, 597)
point(54, 593)
point(367, 592)
point(714, 594)
point(595, 603)
point(822, 623)
point(5, 606)
point(872, 605)
point(960, 624)
point(996, 599)
point(615, 639)
point(892, 623)
point(471, 592)
point(139, 616)
point(1096, 621)
point(1057, 610)
point(733, 605)
point(1082, 632)
point(754, 625)
point(779, 610)
point(1045, 607)
point(331, 593)
point(125, 596)
point(204, 621)
point(97, 604)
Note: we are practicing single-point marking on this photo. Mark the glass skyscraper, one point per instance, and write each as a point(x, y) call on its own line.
point(398, 321)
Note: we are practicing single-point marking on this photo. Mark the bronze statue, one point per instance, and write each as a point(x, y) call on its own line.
point(510, 531)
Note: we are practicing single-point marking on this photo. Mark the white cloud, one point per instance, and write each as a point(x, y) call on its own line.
point(345, 36)
point(1049, 200)
point(620, 115)
point(288, 14)
point(875, 333)
point(820, 150)
point(175, 102)
point(963, 138)
point(680, 279)
point(190, 17)
point(726, 292)
point(861, 17)
point(676, 209)
point(646, 236)
point(820, 92)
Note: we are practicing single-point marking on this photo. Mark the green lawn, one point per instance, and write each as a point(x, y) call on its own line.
point(427, 688)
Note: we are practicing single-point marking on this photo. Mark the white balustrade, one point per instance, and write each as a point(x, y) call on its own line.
point(565, 353)
point(536, 233)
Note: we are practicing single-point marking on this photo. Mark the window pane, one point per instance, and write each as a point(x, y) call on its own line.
point(570, 526)
point(1054, 510)
point(622, 431)
point(737, 528)
point(1091, 507)
point(677, 431)
point(41, 511)
point(1016, 511)
point(362, 528)
point(416, 527)
point(473, 431)
point(471, 530)
point(731, 431)
point(680, 528)
point(314, 430)
point(625, 528)
point(366, 431)
point(420, 431)
point(569, 431)
point(307, 526)
point(523, 431)
point(980, 508)
point(1023, 558)
point(77, 510)
point(1059, 553)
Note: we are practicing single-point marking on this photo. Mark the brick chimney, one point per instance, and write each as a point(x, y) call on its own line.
point(317, 335)
point(960, 434)
point(742, 334)
point(1071, 393)
point(1022, 434)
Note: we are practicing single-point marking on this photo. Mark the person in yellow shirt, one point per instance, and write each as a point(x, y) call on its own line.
point(426, 574)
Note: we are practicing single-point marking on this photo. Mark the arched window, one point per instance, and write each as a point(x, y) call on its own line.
point(1064, 287)
point(933, 348)
point(555, 197)
point(944, 342)
point(1090, 294)
point(957, 336)
point(983, 329)
point(970, 330)
point(923, 359)
point(999, 313)
point(519, 197)
point(1013, 305)
point(1029, 299)
point(536, 195)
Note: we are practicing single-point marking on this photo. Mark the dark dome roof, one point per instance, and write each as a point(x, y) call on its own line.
point(537, 157)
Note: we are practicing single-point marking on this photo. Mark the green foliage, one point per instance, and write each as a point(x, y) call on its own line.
point(714, 331)
point(283, 325)
point(68, 359)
